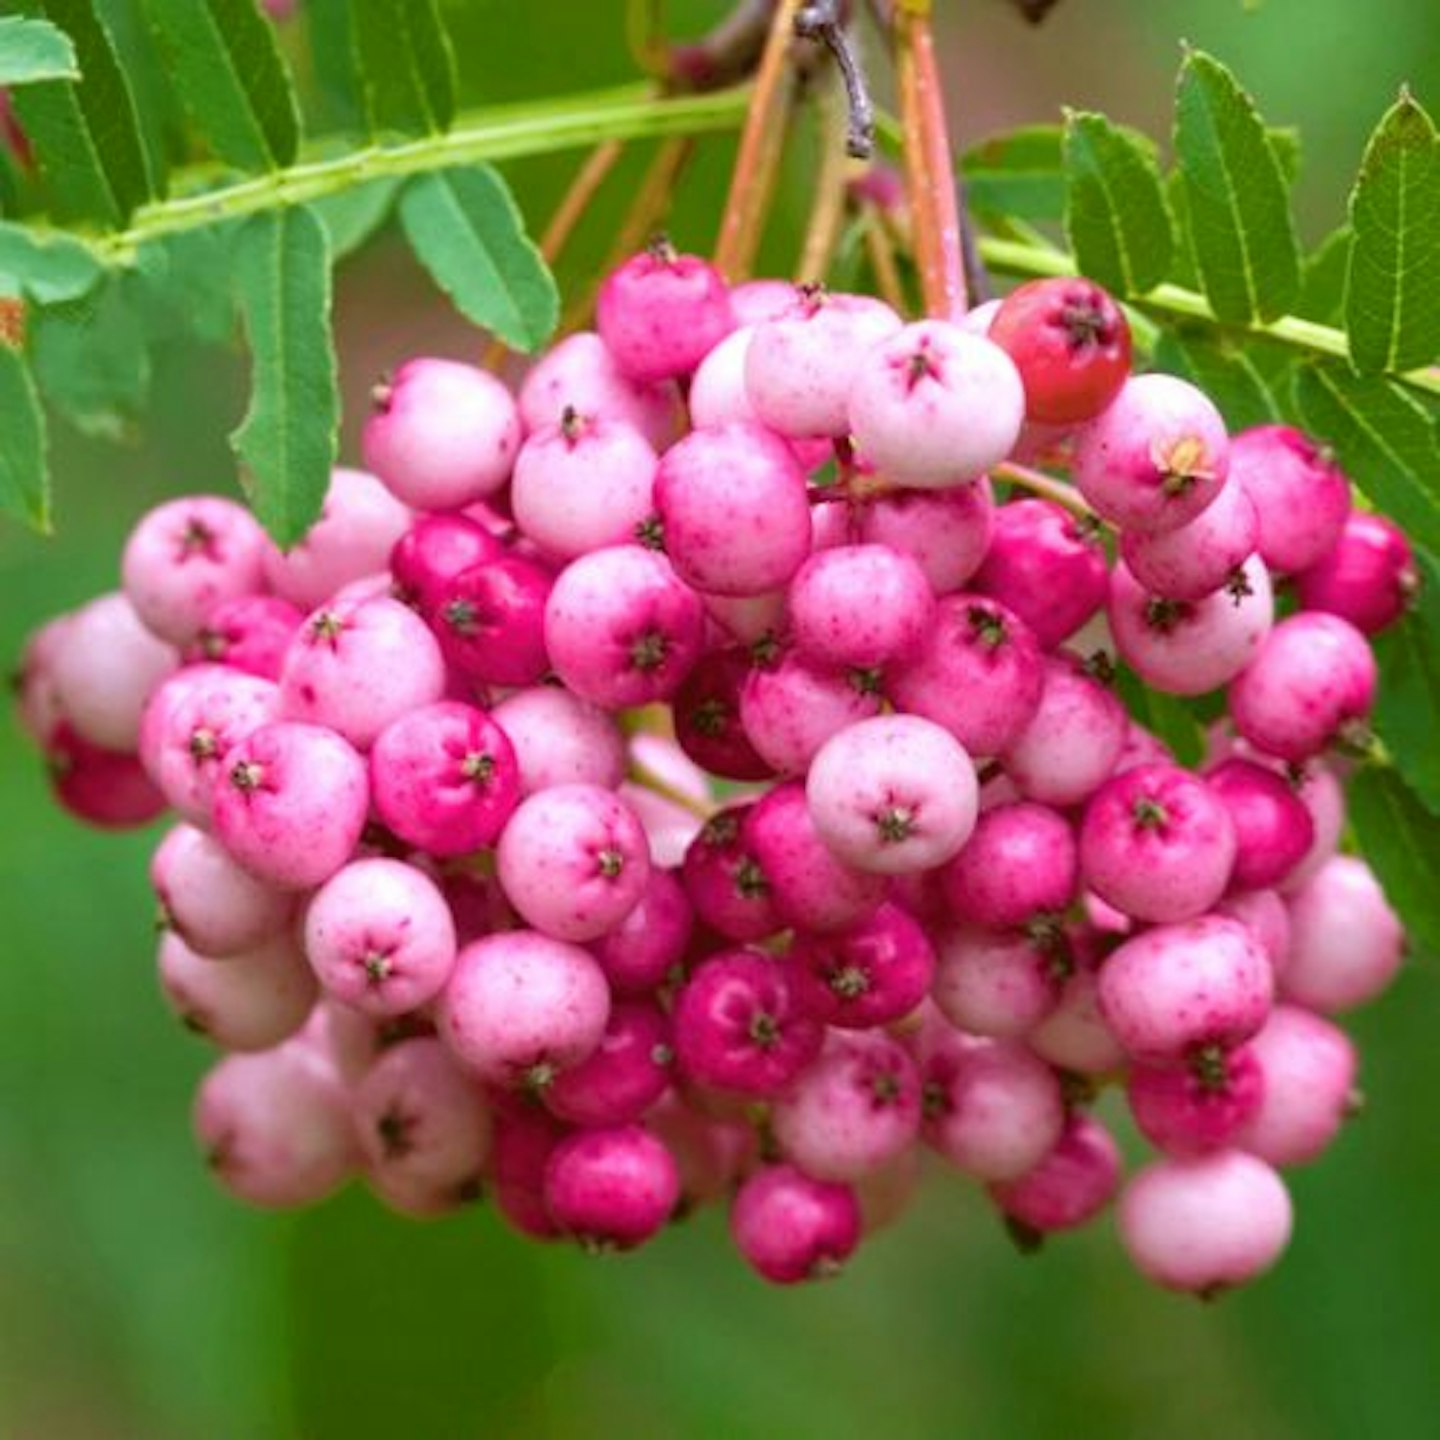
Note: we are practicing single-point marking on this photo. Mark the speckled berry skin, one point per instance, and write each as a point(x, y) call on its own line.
point(622, 628)
point(275, 1128)
point(741, 1026)
point(1157, 843)
point(1156, 457)
point(724, 881)
point(444, 778)
point(852, 1111)
point(1301, 497)
point(1046, 566)
point(185, 557)
point(893, 794)
point(626, 1073)
point(639, 954)
point(707, 716)
point(1367, 577)
point(1019, 862)
point(433, 552)
point(791, 1228)
point(574, 861)
point(734, 510)
point(357, 667)
point(217, 908)
point(380, 936)
point(521, 1006)
point(1071, 1185)
point(1206, 1223)
point(1176, 988)
point(935, 406)
point(1314, 675)
point(860, 605)
point(108, 788)
point(800, 365)
point(997, 983)
point(1190, 1109)
point(1198, 558)
point(611, 1188)
point(790, 706)
point(249, 633)
point(661, 313)
point(1273, 829)
point(872, 973)
point(291, 803)
point(979, 675)
point(442, 434)
point(490, 621)
point(560, 739)
point(946, 532)
point(1346, 942)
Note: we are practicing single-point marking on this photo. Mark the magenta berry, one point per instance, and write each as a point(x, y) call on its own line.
point(1301, 497)
point(946, 532)
point(661, 313)
point(639, 953)
point(790, 707)
point(725, 882)
point(1346, 943)
point(1070, 1186)
point(444, 778)
point(625, 1074)
point(873, 973)
point(1200, 1105)
point(442, 434)
point(1273, 829)
point(707, 717)
point(490, 621)
point(1020, 863)
point(790, 1227)
point(250, 633)
point(611, 1188)
point(741, 1026)
point(1367, 577)
point(560, 739)
point(860, 605)
point(1202, 555)
point(433, 552)
point(108, 788)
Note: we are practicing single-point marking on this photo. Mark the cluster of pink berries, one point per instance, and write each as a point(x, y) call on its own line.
point(452, 883)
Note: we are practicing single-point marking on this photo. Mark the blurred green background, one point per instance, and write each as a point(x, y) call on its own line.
point(137, 1301)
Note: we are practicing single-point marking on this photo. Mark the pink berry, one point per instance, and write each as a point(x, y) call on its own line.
point(525, 1136)
point(291, 803)
point(661, 313)
point(1181, 988)
point(1070, 1186)
point(380, 936)
point(209, 901)
point(1188, 647)
point(249, 633)
point(998, 984)
point(1312, 680)
point(800, 365)
point(574, 861)
point(860, 605)
point(37, 702)
point(520, 1007)
point(789, 708)
point(980, 674)
point(1073, 740)
point(1156, 457)
point(1367, 577)
point(1157, 843)
point(1207, 1223)
point(790, 1227)
point(872, 973)
point(275, 1128)
point(1019, 864)
point(1346, 943)
point(810, 887)
point(639, 954)
point(490, 621)
point(1075, 1035)
point(104, 667)
point(441, 434)
point(444, 778)
point(1320, 792)
point(248, 1001)
point(893, 794)
point(611, 1188)
point(1198, 1106)
point(1268, 916)
point(1198, 558)
point(946, 532)
point(356, 668)
point(1045, 565)
point(1301, 497)
point(711, 1154)
point(560, 739)
point(852, 1110)
point(583, 484)
point(734, 510)
point(741, 1027)
point(725, 882)
point(626, 1073)
point(422, 1122)
point(1308, 1070)
point(358, 527)
point(935, 406)
point(706, 712)
point(185, 557)
point(1273, 829)
point(435, 551)
point(108, 788)
point(622, 628)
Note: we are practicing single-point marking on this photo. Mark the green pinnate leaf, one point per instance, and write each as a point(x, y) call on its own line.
point(1407, 710)
point(224, 61)
point(1285, 141)
point(85, 134)
point(353, 216)
point(406, 64)
point(1385, 439)
point(1115, 212)
point(1322, 283)
point(24, 483)
point(287, 441)
point(1018, 174)
point(1400, 840)
point(1392, 299)
point(32, 50)
point(465, 229)
point(44, 268)
point(1224, 371)
point(1237, 198)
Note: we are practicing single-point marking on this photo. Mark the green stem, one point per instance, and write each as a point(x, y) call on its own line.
point(1019, 258)
point(496, 133)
